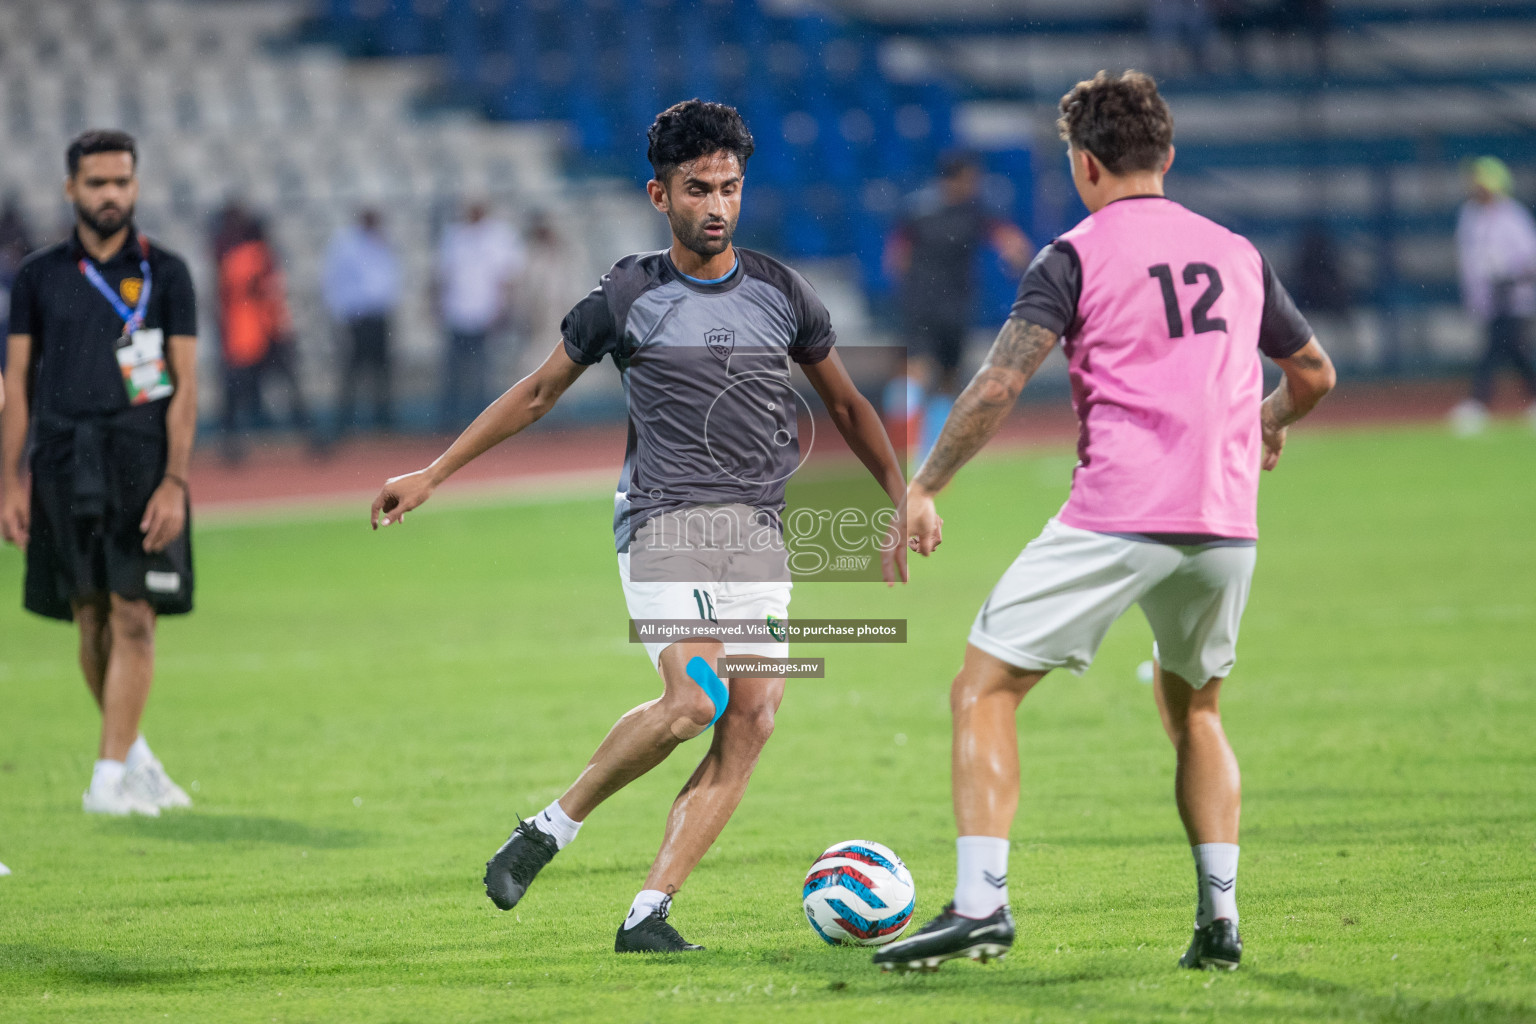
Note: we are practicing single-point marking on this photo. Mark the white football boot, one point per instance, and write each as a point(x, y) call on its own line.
point(117, 800)
point(4, 870)
point(149, 783)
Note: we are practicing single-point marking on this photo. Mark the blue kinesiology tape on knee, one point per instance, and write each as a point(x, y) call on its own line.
point(700, 672)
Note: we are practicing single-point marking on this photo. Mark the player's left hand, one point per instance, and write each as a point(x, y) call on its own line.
point(893, 551)
point(925, 530)
point(164, 517)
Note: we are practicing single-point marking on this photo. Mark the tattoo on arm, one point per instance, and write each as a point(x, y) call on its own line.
point(1279, 409)
point(1017, 353)
point(1297, 392)
point(1020, 346)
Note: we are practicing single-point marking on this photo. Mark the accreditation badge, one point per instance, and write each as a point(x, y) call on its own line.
point(141, 357)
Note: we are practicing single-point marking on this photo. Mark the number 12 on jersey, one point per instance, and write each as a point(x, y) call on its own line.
point(1199, 314)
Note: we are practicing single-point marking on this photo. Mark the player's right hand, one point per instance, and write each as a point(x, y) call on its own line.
point(399, 496)
point(925, 530)
point(1274, 444)
point(16, 516)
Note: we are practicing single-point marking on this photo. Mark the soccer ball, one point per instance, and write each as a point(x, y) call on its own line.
point(859, 893)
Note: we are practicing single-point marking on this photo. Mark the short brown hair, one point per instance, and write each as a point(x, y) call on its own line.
point(1119, 119)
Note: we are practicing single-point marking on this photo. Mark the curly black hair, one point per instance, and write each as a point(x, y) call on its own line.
point(99, 140)
point(1121, 119)
point(693, 128)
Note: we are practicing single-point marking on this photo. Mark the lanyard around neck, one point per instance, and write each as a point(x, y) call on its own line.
point(133, 318)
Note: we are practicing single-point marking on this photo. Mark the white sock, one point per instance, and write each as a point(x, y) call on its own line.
point(138, 754)
point(108, 774)
point(981, 884)
point(647, 901)
point(1216, 878)
point(553, 821)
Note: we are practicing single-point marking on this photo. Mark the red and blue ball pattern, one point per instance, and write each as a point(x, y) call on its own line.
point(859, 893)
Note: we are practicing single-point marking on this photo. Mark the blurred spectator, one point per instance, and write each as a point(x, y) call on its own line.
point(361, 286)
point(478, 261)
point(1181, 32)
point(15, 243)
point(1317, 281)
point(933, 254)
point(256, 328)
point(547, 284)
point(231, 223)
point(1496, 249)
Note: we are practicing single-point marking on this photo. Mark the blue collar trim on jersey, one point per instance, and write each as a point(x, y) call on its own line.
point(717, 280)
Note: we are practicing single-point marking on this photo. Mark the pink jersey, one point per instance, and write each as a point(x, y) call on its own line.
point(1163, 342)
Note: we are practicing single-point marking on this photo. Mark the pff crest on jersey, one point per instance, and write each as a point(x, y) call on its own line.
point(721, 341)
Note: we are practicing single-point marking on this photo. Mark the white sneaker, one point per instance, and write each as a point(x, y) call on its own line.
point(1468, 418)
point(149, 783)
point(117, 800)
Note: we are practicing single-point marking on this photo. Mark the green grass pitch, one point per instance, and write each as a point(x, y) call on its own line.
point(364, 714)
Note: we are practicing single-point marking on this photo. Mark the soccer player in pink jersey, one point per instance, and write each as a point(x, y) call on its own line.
point(1163, 316)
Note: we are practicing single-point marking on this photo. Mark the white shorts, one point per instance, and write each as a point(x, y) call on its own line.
point(732, 583)
point(1056, 601)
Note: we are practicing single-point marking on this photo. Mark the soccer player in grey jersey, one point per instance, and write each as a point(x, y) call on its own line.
point(702, 333)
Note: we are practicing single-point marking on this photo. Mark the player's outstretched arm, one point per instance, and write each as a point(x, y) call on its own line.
point(860, 426)
point(1020, 348)
point(1308, 377)
point(518, 407)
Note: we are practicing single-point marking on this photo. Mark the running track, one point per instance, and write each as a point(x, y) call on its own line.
point(280, 478)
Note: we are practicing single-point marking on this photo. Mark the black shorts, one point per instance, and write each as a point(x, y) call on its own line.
point(944, 343)
point(72, 558)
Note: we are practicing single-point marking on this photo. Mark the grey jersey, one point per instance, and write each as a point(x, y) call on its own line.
point(705, 367)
